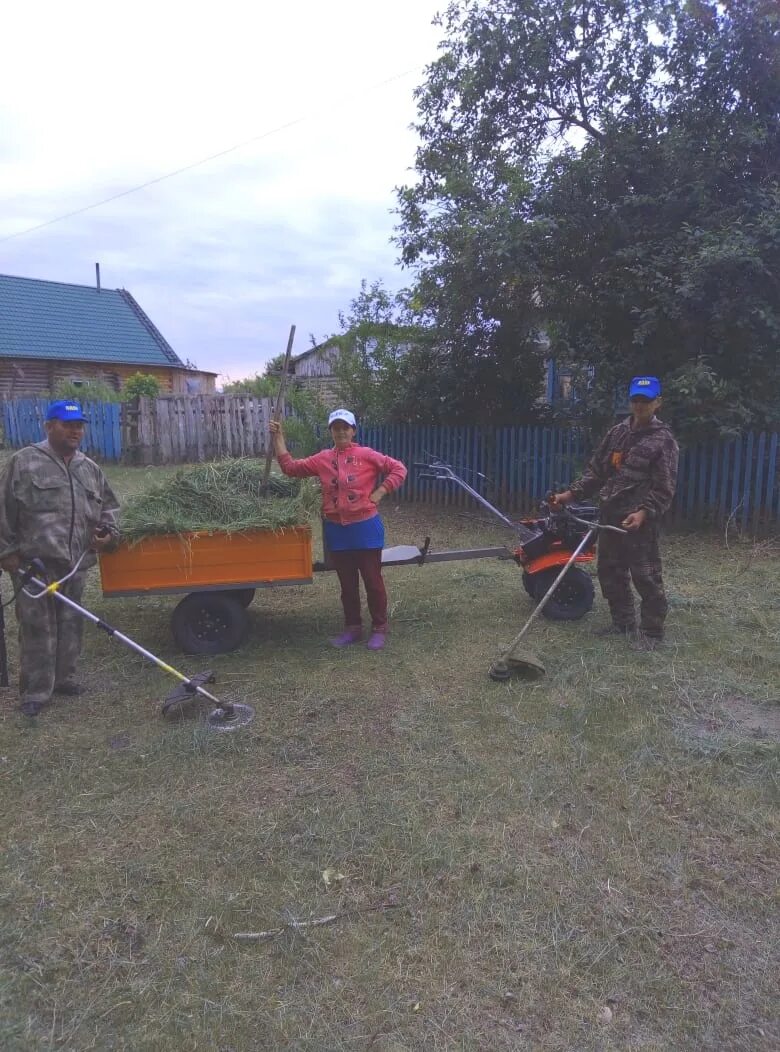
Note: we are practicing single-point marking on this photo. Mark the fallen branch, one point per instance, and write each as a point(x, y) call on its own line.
point(257, 936)
point(318, 922)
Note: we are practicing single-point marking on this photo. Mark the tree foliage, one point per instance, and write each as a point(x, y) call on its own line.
point(606, 170)
point(402, 360)
point(141, 385)
point(377, 341)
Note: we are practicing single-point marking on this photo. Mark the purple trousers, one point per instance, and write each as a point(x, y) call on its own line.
point(351, 566)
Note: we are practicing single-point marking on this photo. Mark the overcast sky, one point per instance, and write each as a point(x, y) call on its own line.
point(96, 98)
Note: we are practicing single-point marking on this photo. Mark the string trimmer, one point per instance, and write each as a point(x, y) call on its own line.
point(227, 716)
point(513, 657)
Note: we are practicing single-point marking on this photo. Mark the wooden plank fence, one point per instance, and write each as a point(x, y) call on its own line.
point(513, 467)
point(186, 430)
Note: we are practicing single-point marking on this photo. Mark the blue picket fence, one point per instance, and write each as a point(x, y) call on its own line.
point(515, 467)
point(512, 466)
point(23, 421)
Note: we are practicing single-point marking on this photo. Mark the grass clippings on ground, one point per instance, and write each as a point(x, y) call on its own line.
point(572, 864)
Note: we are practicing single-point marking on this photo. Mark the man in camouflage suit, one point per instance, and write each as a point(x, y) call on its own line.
point(55, 504)
point(634, 471)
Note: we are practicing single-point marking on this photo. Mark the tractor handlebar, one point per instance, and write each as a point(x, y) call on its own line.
point(564, 511)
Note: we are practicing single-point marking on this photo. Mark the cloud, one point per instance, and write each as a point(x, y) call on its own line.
point(226, 256)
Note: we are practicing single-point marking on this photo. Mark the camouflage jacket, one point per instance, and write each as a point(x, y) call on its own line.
point(50, 509)
point(632, 469)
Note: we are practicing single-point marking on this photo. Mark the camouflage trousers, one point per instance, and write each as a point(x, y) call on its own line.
point(633, 557)
point(50, 635)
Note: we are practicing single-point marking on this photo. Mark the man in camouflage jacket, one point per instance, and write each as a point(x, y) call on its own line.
point(55, 504)
point(634, 472)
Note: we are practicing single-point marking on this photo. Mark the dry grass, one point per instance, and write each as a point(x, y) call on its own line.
point(227, 495)
point(605, 838)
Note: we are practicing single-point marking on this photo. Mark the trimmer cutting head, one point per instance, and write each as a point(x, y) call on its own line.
point(525, 664)
point(229, 716)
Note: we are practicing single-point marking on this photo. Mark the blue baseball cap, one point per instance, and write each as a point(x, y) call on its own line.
point(65, 410)
point(647, 386)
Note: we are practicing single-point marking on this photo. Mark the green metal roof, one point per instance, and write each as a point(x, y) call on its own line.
point(48, 319)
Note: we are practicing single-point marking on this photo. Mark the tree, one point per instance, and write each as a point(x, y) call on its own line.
point(402, 360)
point(275, 366)
point(607, 169)
point(376, 336)
point(485, 358)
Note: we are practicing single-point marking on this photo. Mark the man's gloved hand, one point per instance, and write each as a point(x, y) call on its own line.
point(559, 499)
point(634, 520)
point(102, 539)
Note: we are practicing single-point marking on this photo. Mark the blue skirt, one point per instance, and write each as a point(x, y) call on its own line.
point(370, 533)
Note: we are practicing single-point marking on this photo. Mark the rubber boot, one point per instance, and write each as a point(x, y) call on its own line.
point(347, 637)
point(629, 631)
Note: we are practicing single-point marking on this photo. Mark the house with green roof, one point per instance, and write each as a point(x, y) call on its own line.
point(53, 333)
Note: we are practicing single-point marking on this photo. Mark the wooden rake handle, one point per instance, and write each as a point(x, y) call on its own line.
point(278, 409)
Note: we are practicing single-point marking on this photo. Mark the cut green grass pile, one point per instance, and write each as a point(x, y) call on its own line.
point(584, 864)
point(227, 496)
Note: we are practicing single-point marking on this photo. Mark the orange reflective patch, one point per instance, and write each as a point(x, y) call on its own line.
point(617, 459)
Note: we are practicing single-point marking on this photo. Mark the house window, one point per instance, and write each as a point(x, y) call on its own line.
point(565, 387)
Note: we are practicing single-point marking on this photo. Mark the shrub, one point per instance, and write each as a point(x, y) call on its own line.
point(141, 385)
point(89, 391)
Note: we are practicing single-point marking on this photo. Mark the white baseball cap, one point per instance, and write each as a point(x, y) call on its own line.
point(342, 414)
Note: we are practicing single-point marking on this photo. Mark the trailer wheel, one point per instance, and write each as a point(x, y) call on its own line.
point(243, 595)
point(571, 600)
point(529, 583)
point(209, 623)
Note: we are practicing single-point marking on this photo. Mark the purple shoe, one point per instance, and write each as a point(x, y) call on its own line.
point(347, 637)
point(376, 641)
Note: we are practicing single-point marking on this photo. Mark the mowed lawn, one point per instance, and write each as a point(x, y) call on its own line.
point(588, 862)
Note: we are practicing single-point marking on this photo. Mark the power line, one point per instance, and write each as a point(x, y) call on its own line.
point(197, 164)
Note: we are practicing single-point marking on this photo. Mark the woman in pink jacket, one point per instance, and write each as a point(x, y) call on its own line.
point(354, 533)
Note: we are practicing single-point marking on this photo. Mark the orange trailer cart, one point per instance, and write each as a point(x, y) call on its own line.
point(218, 572)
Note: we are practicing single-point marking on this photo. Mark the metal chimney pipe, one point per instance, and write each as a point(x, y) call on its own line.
point(97, 275)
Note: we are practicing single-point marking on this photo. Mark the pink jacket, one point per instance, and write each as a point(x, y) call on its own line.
point(348, 478)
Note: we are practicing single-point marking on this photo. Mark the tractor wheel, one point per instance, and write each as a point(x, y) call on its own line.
point(209, 623)
point(529, 583)
point(573, 597)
